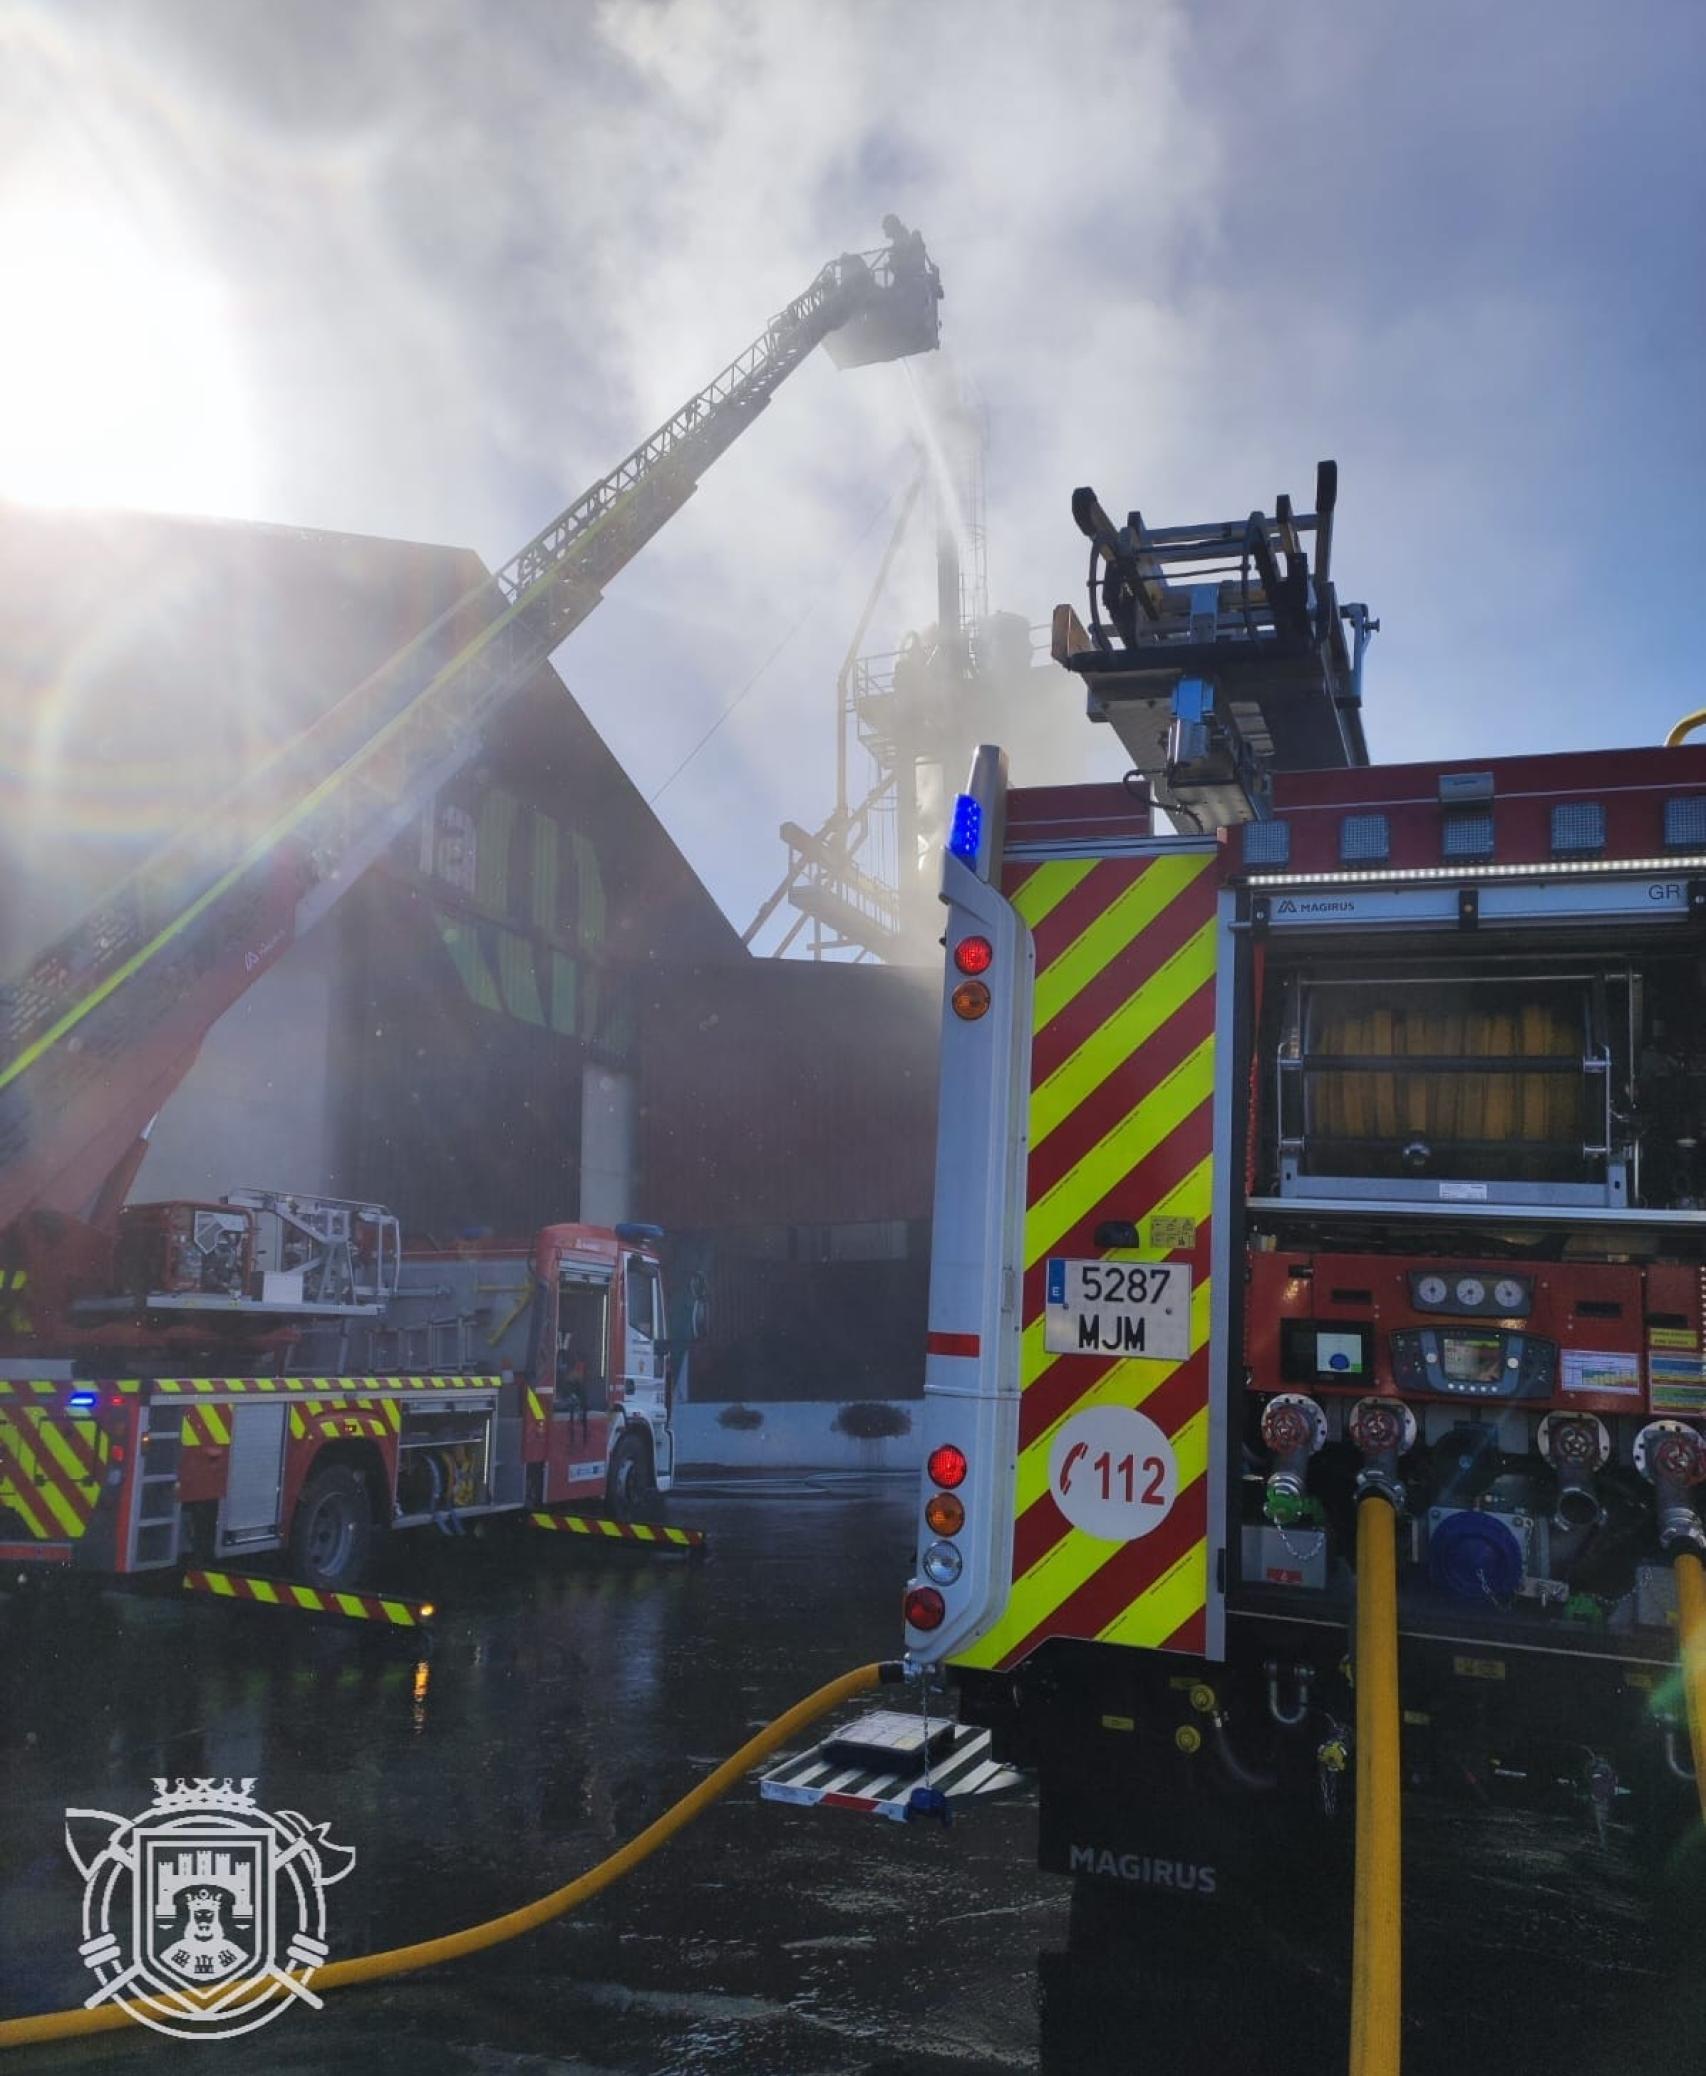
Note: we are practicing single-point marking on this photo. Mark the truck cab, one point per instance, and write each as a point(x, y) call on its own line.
point(599, 1367)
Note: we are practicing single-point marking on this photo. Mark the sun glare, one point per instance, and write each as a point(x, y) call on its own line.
point(120, 381)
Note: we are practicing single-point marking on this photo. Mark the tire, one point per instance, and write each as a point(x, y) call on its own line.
point(331, 1535)
point(630, 1488)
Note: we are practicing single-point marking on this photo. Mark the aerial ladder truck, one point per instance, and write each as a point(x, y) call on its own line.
point(379, 1387)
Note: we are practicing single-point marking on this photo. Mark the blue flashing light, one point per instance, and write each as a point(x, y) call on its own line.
point(81, 1401)
point(967, 831)
point(636, 1234)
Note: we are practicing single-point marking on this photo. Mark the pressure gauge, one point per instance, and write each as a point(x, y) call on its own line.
point(1471, 1292)
point(1509, 1295)
point(1430, 1290)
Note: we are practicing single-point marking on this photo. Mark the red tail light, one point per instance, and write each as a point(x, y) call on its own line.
point(974, 954)
point(946, 1465)
point(925, 1608)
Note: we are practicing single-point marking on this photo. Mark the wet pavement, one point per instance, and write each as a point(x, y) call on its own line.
point(571, 1694)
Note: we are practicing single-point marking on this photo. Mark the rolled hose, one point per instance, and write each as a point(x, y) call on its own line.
point(495, 1931)
point(1377, 1922)
point(1691, 1624)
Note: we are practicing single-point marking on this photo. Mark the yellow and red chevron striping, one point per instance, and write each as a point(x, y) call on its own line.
point(51, 1470)
point(601, 1527)
point(1121, 1128)
point(206, 1426)
point(222, 1387)
point(311, 1600)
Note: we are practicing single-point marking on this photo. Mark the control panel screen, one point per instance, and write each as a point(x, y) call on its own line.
point(1328, 1354)
point(1472, 1358)
point(1338, 1355)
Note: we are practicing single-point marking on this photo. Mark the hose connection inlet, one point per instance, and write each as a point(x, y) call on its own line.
point(1381, 1430)
point(1301, 1677)
point(1577, 1447)
point(1674, 1762)
point(1671, 1456)
point(1293, 1429)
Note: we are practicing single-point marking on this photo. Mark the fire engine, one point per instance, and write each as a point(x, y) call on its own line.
point(380, 1387)
point(275, 1370)
point(1321, 1199)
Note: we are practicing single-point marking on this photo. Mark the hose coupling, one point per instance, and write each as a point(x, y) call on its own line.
point(1381, 1430)
point(1293, 1429)
point(1671, 1456)
point(1577, 1447)
point(1288, 1716)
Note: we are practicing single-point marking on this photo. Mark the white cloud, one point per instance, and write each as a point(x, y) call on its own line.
point(471, 254)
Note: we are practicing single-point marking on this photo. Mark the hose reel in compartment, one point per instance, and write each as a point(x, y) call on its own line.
point(443, 1461)
point(1444, 1086)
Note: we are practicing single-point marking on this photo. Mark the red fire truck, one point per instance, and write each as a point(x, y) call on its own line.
point(1348, 1145)
point(275, 1373)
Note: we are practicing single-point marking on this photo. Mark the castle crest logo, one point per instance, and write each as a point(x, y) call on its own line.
point(205, 1915)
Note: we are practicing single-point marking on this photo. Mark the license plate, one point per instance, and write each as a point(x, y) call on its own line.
point(1125, 1308)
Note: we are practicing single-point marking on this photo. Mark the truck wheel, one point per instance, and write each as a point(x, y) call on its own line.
point(333, 1530)
point(631, 1487)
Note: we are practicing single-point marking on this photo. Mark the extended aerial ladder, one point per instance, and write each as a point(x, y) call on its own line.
point(105, 1023)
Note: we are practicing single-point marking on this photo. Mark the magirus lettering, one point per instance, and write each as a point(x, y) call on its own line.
point(1180, 1875)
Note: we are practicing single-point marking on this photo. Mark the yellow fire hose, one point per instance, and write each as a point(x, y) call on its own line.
point(1377, 1921)
point(427, 1953)
point(1686, 727)
point(1691, 1624)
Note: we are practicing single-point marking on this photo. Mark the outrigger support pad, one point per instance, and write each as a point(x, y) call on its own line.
point(686, 1541)
point(297, 1598)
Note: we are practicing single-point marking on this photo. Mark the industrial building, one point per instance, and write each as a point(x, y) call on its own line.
point(529, 1009)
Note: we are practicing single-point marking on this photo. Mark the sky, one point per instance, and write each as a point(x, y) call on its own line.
point(427, 270)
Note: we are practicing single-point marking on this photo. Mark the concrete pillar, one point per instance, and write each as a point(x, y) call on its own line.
point(607, 1146)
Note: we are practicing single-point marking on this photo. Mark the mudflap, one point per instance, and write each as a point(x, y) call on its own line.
point(1189, 1841)
point(1140, 1988)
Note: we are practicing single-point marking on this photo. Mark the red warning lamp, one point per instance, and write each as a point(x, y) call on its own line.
point(925, 1608)
point(946, 1465)
point(974, 954)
